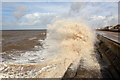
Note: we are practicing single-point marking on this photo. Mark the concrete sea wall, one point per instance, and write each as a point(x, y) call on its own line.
point(108, 52)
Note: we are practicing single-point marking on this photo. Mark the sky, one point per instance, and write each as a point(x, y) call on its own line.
point(37, 15)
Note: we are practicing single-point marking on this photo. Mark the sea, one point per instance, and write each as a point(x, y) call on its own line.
point(16, 43)
point(49, 53)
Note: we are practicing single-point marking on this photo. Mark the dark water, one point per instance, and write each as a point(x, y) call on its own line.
point(17, 41)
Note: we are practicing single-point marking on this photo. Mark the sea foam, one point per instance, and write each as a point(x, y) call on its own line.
point(68, 41)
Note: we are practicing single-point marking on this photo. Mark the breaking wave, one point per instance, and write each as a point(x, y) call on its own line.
point(67, 41)
point(72, 38)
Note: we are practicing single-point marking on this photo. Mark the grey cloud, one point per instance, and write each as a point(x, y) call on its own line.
point(76, 7)
point(20, 12)
point(85, 10)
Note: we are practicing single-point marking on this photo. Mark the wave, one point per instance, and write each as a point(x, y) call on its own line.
point(67, 41)
point(72, 38)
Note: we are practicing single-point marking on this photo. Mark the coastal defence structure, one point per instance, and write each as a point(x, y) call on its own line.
point(108, 48)
point(109, 51)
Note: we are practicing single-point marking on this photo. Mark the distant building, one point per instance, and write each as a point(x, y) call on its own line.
point(117, 27)
point(109, 27)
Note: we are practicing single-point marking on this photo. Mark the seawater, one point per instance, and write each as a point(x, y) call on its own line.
point(67, 41)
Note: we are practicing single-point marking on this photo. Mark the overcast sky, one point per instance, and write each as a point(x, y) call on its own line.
point(37, 15)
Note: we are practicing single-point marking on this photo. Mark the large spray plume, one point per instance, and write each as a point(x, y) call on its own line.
point(73, 40)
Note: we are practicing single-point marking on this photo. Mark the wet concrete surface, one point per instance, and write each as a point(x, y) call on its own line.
point(114, 36)
point(108, 47)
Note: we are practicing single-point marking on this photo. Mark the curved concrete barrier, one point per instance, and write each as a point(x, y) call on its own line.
point(109, 51)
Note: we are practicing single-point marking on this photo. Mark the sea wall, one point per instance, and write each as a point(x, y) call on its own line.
point(108, 51)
